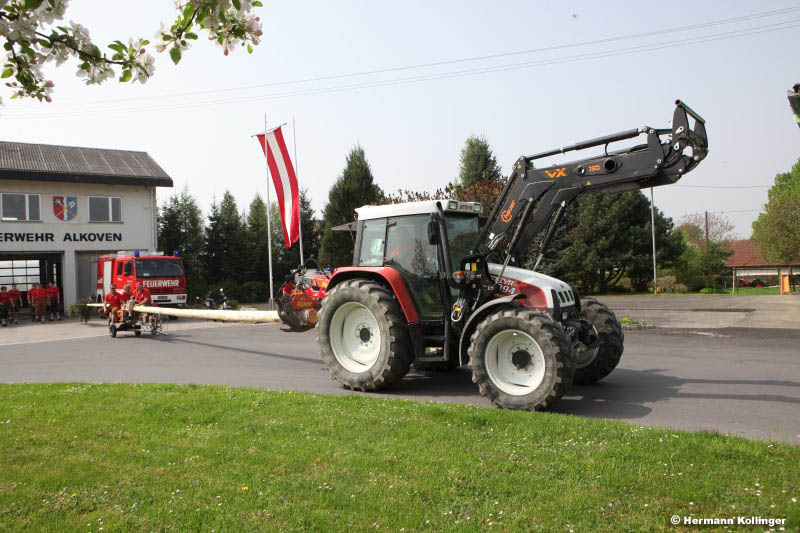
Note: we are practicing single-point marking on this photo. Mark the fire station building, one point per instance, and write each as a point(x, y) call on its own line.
point(63, 206)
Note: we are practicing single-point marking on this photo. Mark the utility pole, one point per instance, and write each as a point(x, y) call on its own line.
point(269, 227)
point(299, 206)
point(653, 230)
point(708, 255)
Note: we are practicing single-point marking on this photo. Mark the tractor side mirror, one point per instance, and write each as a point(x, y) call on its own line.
point(433, 233)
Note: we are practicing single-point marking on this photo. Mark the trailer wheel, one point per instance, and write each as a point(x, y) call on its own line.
point(363, 336)
point(520, 359)
point(112, 329)
point(596, 363)
point(137, 332)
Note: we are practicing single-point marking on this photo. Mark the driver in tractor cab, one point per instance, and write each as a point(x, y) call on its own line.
point(111, 304)
point(403, 245)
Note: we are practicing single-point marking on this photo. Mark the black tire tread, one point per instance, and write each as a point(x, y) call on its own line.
point(612, 341)
point(383, 303)
point(551, 339)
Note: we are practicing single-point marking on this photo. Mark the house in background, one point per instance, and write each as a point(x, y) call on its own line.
point(62, 206)
point(746, 261)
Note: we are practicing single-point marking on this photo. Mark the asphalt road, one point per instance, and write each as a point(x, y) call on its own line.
point(740, 381)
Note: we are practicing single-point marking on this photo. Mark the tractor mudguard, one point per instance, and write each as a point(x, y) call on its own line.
point(473, 319)
point(383, 274)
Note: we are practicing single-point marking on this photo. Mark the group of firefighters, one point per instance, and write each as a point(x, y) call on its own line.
point(44, 299)
point(125, 301)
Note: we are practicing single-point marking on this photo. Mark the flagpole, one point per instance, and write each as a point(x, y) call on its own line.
point(269, 211)
point(299, 205)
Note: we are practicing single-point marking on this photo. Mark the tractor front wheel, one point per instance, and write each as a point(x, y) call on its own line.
point(598, 361)
point(520, 359)
point(363, 336)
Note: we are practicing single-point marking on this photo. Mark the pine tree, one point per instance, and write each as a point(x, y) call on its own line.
point(180, 229)
point(354, 188)
point(256, 230)
point(478, 164)
point(479, 175)
point(233, 240)
point(214, 247)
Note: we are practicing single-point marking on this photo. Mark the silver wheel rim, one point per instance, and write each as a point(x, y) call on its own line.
point(515, 362)
point(355, 337)
point(588, 356)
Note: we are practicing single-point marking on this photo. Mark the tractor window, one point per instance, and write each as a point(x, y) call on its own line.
point(462, 232)
point(372, 241)
point(408, 249)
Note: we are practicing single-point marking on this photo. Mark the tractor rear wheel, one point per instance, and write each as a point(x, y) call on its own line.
point(596, 363)
point(363, 336)
point(520, 359)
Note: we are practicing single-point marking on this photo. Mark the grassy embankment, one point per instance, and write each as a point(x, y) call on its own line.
point(83, 457)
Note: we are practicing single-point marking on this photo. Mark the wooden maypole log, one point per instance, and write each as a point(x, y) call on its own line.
point(209, 314)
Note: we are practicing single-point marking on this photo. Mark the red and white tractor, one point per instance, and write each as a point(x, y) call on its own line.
point(422, 290)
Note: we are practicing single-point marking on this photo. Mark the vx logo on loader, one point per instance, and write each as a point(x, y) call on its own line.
point(557, 173)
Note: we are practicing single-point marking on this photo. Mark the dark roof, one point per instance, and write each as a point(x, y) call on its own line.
point(73, 164)
point(745, 254)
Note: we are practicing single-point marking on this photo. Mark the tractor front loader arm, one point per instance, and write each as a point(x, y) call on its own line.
point(535, 198)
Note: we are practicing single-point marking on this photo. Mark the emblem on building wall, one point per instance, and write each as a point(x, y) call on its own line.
point(65, 207)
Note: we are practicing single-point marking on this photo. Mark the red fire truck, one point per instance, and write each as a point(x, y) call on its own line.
point(162, 274)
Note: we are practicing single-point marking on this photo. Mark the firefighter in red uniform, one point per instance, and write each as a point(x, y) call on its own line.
point(141, 296)
point(111, 304)
point(5, 303)
point(16, 303)
point(126, 302)
point(53, 301)
point(38, 298)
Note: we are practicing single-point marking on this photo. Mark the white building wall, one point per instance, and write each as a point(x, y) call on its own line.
point(136, 231)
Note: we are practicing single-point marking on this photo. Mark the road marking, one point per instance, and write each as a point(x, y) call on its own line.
point(55, 340)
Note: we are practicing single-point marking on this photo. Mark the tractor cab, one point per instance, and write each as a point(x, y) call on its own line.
point(396, 236)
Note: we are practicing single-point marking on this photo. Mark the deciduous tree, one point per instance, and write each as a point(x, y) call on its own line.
point(33, 36)
point(605, 237)
point(720, 228)
point(777, 231)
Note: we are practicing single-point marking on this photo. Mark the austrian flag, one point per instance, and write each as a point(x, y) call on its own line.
point(283, 176)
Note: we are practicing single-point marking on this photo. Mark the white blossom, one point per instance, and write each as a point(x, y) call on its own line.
point(27, 33)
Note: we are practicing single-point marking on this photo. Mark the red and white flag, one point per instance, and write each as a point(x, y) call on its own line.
point(283, 176)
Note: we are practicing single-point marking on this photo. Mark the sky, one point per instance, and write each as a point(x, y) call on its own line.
point(196, 119)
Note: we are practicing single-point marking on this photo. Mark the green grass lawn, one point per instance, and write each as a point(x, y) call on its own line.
point(758, 290)
point(80, 457)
